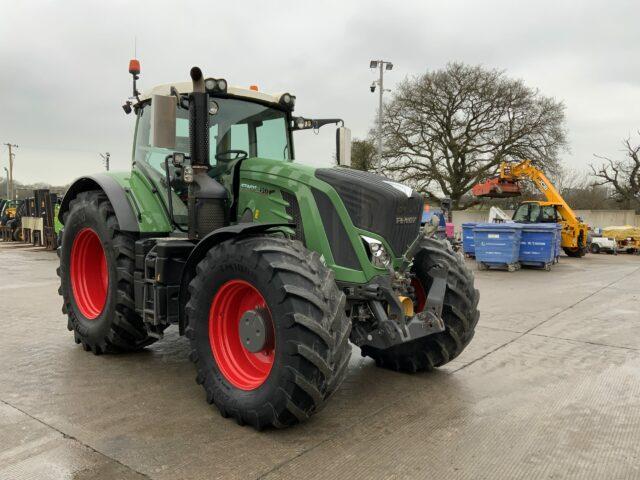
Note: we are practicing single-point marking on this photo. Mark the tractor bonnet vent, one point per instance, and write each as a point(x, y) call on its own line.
point(293, 210)
point(339, 242)
point(378, 205)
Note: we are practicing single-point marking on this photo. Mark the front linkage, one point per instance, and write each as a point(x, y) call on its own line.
point(399, 322)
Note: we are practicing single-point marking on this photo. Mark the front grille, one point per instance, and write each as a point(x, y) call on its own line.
point(341, 248)
point(376, 206)
point(293, 210)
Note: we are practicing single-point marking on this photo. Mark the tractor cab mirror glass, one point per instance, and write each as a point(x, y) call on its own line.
point(163, 121)
point(343, 146)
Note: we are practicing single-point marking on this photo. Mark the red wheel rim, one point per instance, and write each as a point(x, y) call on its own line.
point(242, 368)
point(421, 297)
point(89, 273)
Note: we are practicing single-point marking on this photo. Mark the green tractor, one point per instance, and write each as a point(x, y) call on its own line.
point(270, 268)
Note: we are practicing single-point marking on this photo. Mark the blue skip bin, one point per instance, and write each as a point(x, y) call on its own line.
point(468, 244)
point(497, 245)
point(558, 241)
point(538, 244)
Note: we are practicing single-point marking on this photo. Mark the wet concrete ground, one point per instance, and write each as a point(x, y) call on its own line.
point(548, 388)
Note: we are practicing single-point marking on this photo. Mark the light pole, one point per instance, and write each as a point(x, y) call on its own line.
point(382, 65)
point(105, 159)
point(11, 157)
point(7, 172)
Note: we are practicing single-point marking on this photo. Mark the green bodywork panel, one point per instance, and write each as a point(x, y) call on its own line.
point(57, 224)
point(261, 184)
point(146, 204)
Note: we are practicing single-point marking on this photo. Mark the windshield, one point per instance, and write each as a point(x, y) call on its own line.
point(522, 213)
point(259, 130)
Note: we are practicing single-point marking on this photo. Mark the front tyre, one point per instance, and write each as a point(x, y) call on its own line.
point(96, 278)
point(268, 330)
point(459, 313)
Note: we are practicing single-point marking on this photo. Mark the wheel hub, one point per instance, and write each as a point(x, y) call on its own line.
point(253, 331)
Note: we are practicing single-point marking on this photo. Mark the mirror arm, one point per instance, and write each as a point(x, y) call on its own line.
point(321, 122)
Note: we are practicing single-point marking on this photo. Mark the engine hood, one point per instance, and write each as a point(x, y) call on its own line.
point(377, 204)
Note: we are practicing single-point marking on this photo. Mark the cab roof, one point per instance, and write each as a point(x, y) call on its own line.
point(187, 87)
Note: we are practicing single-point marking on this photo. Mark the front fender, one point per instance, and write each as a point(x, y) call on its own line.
point(214, 238)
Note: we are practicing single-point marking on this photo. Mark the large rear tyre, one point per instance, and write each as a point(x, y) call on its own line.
point(268, 331)
point(96, 278)
point(460, 314)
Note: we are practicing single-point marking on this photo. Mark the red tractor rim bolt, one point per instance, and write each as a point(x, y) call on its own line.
point(89, 273)
point(242, 368)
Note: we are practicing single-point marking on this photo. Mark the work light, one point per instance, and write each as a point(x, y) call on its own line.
point(215, 85)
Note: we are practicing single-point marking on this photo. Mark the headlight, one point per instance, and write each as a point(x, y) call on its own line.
point(377, 253)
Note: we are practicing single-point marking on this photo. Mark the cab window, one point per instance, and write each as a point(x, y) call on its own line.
point(259, 130)
point(549, 214)
point(521, 215)
point(534, 212)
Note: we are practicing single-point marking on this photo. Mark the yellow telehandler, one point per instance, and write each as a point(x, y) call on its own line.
point(554, 210)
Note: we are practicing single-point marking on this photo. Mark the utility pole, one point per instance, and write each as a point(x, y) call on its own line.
point(105, 159)
point(12, 192)
point(7, 172)
point(382, 65)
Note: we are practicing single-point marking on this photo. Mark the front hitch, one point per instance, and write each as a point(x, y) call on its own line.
point(394, 327)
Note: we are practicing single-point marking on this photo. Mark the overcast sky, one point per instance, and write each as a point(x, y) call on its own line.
point(63, 65)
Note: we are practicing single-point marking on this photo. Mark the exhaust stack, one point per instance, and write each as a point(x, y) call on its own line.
point(199, 121)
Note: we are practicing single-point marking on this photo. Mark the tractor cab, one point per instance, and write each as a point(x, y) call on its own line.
point(237, 124)
point(537, 212)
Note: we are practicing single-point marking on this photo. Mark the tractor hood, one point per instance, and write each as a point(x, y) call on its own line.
point(377, 204)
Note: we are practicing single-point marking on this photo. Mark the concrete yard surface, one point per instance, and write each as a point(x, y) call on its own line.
point(548, 388)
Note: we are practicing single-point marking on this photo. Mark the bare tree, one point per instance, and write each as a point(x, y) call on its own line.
point(363, 154)
point(622, 175)
point(446, 130)
point(578, 190)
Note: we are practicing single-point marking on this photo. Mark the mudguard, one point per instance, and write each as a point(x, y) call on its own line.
point(137, 206)
point(127, 218)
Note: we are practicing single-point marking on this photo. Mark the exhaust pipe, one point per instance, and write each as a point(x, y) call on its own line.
point(199, 121)
point(207, 198)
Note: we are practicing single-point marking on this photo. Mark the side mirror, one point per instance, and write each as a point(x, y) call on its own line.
point(163, 121)
point(343, 146)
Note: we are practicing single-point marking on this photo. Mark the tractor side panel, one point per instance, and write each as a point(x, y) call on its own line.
point(152, 216)
point(267, 188)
